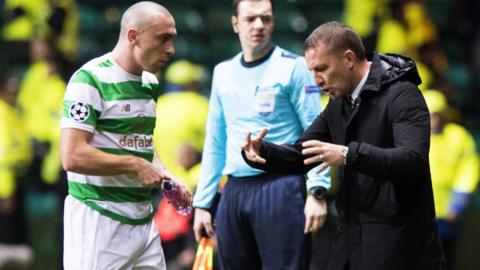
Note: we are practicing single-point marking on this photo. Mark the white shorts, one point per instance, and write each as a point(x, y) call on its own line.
point(93, 241)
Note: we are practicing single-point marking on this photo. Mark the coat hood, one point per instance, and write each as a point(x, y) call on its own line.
point(389, 68)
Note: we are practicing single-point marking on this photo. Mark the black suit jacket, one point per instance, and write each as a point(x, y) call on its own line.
point(385, 201)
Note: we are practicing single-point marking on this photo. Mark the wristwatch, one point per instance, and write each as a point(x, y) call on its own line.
point(344, 154)
point(319, 192)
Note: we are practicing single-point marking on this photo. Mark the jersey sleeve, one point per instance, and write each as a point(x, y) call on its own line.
point(214, 151)
point(82, 103)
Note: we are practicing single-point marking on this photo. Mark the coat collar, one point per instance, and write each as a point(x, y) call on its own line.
point(389, 68)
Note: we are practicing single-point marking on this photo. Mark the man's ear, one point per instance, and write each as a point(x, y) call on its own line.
point(349, 58)
point(234, 20)
point(132, 35)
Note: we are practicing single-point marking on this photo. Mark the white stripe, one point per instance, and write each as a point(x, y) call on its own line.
point(128, 108)
point(109, 74)
point(83, 92)
point(148, 77)
point(114, 74)
point(122, 180)
point(70, 123)
point(131, 142)
point(104, 74)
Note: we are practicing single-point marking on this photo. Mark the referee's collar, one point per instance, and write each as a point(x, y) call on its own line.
point(258, 61)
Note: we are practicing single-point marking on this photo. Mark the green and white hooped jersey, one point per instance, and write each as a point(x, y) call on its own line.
point(119, 109)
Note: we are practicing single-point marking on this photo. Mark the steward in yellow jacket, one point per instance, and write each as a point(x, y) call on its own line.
point(15, 154)
point(454, 166)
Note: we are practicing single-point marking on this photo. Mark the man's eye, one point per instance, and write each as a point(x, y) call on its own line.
point(165, 38)
point(267, 19)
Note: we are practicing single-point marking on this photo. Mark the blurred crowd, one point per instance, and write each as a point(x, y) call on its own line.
point(42, 41)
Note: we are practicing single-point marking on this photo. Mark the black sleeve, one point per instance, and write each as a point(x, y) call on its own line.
point(288, 159)
point(411, 139)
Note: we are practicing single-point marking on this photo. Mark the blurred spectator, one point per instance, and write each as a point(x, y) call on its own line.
point(420, 28)
point(362, 17)
point(40, 101)
point(20, 18)
point(454, 166)
point(395, 26)
point(392, 32)
point(57, 20)
point(425, 75)
point(184, 111)
point(63, 21)
point(15, 153)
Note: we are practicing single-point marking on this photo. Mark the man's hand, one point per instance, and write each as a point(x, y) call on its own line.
point(451, 217)
point(329, 154)
point(150, 175)
point(315, 214)
point(185, 198)
point(252, 147)
point(202, 222)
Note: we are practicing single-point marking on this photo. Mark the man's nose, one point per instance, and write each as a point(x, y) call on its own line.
point(170, 48)
point(319, 81)
point(258, 23)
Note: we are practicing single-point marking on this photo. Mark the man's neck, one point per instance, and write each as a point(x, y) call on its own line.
point(252, 55)
point(124, 59)
point(363, 69)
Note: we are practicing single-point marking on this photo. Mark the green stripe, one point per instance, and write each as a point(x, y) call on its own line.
point(127, 90)
point(112, 194)
point(106, 63)
point(117, 217)
point(120, 90)
point(92, 113)
point(147, 156)
point(83, 76)
point(131, 125)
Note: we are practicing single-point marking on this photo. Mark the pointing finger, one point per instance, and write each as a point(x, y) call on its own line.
point(262, 134)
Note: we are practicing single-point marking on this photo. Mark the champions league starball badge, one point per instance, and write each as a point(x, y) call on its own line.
point(79, 112)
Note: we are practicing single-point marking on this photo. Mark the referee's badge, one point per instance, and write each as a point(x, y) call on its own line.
point(265, 100)
point(79, 111)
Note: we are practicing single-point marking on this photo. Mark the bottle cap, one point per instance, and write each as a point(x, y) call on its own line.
point(167, 185)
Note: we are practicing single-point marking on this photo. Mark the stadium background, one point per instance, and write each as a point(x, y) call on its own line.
point(451, 56)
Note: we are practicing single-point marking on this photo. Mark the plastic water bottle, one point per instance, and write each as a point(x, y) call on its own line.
point(172, 192)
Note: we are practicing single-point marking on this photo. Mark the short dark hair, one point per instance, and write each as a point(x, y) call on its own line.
point(236, 2)
point(336, 36)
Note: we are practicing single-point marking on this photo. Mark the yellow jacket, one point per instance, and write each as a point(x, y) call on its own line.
point(15, 151)
point(181, 119)
point(454, 165)
point(33, 23)
point(40, 100)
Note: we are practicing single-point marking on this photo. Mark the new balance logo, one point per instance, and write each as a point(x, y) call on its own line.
point(126, 108)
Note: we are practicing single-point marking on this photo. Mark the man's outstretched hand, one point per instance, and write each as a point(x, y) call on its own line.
point(252, 147)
